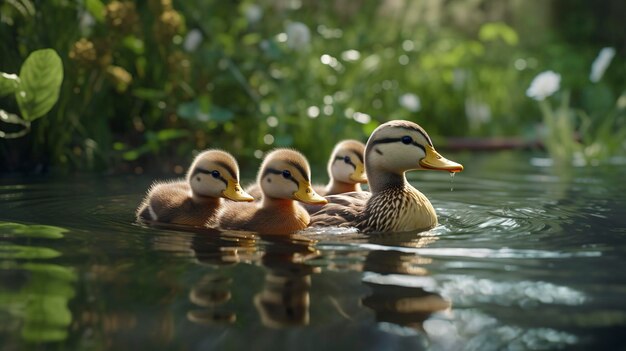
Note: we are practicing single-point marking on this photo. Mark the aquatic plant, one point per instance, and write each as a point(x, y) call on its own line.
point(573, 134)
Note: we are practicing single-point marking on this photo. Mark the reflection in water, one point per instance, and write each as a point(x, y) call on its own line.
point(395, 279)
point(284, 300)
point(36, 294)
point(284, 297)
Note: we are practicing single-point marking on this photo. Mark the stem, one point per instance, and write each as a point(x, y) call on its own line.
point(13, 119)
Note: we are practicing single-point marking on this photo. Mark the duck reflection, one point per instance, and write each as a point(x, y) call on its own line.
point(399, 284)
point(212, 293)
point(284, 299)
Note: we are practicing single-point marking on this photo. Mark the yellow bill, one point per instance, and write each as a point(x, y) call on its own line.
point(437, 162)
point(358, 176)
point(234, 192)
point(307, 195)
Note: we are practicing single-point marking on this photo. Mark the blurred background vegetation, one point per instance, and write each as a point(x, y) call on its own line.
point(147, 83)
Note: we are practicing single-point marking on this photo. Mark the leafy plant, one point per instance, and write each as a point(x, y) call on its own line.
point(36, 89)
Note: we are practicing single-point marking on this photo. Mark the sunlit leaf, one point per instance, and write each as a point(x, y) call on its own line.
point(27, 252)
point(96, 9)
point(8, 83)
point(133, 43)
point(8, 229)
point(498, 30)
point(41, 77)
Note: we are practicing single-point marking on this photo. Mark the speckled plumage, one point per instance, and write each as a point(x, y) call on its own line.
point(396, 209)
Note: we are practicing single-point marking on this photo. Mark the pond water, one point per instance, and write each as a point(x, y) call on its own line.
point(525, 257)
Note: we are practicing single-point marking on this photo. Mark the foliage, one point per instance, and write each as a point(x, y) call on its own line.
point(601, 133)
point(41, 300)
point(36, 89)
point(148, 83)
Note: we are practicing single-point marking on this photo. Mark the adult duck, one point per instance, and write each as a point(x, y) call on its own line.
point(392, 205)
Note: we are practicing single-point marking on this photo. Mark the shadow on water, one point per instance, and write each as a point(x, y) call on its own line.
point(524, 258)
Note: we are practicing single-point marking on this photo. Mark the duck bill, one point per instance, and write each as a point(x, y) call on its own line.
point(437, 162)
point(234, 192)
point(307, 195)
point(358, 176)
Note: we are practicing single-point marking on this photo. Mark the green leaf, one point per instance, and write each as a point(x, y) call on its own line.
point(96, 9)
point(41, 77)
point(31, 231)
point(8, 83)
point(495, 30)
point(27, 252)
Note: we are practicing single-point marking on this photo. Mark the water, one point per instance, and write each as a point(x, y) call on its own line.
point(525, 257)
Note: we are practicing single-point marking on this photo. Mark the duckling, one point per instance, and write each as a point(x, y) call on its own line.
point(213, 174)
point(393, 205)
point(284, 176)
point(345, 169)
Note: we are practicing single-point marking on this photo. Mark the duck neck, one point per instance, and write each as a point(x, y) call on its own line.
point(206, 200)
point(338, 187)
point(382, 181)
point(284, 204)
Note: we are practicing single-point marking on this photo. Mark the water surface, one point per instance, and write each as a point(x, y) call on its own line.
point(525, 257)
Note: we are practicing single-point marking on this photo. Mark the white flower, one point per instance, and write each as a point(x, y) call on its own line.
point(601, 63)
point(253, 13)
point(410, 102)
point(298, 35)
point(544, 85)
point(192, 40)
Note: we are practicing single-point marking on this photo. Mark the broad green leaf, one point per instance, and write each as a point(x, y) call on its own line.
point(96, 9)
point(51, 271)
point(8, 83)
point(31, 231)
point(26, 252)
point(41, 77)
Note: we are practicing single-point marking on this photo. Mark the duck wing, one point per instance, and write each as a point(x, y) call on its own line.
point(342, 210)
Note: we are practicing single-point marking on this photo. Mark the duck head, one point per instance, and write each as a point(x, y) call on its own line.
point(215, 173)
point(399, 146)
point(346, 162)
point(285, 174)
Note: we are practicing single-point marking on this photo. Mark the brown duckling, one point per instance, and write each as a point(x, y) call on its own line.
point(284, 176)
point(213, 174)
point(345, 168)
point(393, 205)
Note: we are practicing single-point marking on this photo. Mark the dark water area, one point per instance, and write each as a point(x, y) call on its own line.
point(526, 257)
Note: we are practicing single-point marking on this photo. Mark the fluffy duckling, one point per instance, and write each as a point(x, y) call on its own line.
point(393, 205)
point(213, 174)
point(284, 176)
point(345, 169)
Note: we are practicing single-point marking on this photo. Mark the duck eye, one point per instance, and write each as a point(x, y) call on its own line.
point(215, 174)
point(406, 139)
point(347, 159)
point(286, 174)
